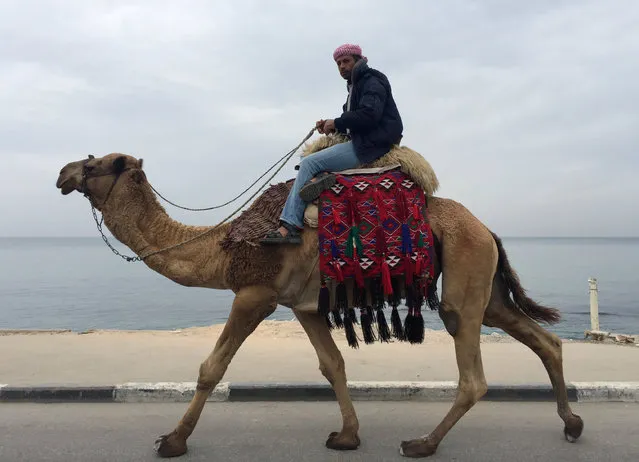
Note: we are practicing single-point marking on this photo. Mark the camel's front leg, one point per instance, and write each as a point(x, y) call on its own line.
point(250, 307)
point(332, 367)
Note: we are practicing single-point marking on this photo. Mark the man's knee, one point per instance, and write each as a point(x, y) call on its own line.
point(309, 165)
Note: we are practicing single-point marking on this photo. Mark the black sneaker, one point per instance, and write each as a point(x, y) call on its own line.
point(275, 237)
point(312, 190)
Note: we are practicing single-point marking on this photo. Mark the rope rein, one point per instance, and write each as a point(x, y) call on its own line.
point(285, 158)
point(289, 154)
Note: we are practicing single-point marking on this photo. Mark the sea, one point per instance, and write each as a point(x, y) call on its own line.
point(80, 284)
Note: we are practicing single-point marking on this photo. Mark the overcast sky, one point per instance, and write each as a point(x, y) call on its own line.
point(528, 111)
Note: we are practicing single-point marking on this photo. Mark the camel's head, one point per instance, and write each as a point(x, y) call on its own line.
point(96, 177)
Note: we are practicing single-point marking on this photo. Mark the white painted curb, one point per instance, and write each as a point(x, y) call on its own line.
point(181, 392)
point(593, 392)
point(174, 392)
point(402, 391)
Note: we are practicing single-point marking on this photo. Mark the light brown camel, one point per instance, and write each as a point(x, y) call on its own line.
point(478, 283)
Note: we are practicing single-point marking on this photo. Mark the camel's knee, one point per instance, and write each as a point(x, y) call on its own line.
point(545, 344)
point(210, 374)
point(552, 354)
point(555, 343)
point(332, 367)
point(470, 392)
point(450, 319)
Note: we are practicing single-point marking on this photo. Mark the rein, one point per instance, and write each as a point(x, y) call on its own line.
point(284, 159)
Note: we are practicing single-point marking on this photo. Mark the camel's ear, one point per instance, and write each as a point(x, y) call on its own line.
point(118, 164)
point(140, 162)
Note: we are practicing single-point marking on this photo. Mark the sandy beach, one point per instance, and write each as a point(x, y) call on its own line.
point(279, 351)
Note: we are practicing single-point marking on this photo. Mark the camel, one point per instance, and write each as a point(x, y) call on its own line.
point(478, 287)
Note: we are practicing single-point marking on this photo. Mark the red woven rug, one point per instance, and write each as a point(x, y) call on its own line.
point(374, 229)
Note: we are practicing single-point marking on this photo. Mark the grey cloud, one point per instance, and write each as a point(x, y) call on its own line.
point(528, 112)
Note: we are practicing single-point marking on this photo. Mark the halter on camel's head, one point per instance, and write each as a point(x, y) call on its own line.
point(96, 178)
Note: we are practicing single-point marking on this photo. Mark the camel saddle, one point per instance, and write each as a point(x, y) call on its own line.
point(374, 237)
point(374, 231)
point(311, 212)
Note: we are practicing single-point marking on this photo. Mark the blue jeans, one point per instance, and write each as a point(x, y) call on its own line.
point(338, 157)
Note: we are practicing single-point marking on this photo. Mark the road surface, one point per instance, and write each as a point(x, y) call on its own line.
point(296, 432)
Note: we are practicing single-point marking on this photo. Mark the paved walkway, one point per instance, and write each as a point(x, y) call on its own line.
point(109, 358)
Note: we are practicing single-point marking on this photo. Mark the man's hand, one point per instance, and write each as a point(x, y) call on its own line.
point(320, 125)
point(329, 126)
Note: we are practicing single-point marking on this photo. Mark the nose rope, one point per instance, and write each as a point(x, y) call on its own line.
point(285, 158)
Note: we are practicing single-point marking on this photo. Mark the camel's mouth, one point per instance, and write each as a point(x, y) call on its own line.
point(66, 186)
point(70, 177)
point(66, 190)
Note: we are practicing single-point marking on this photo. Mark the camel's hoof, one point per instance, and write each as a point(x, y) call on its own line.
point(170, 445)
point(342, 441)
point(573, 428)
point(421, 447)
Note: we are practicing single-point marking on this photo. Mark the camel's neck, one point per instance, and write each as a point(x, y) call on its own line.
point(137, 219)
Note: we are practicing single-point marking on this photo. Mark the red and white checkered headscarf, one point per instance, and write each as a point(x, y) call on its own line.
point(347, 49)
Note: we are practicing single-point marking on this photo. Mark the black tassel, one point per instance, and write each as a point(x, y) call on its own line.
point(329, 323)
point(337, 318)
point(382, 326)
point(410, 297)
point(396, 322)
point(369, 312)
point(418, 328)
point(367, 326)
point(351, 336)
point(324, 300)
point(359, 296)
point(377, 293)
point(419, 294)
point(408, 325)
point(341, 298)
point(395, 298)
point(414, 326)
point(352, 316)
point(341, 303)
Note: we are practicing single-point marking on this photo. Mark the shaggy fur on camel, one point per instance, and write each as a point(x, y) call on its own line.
point(412, 163)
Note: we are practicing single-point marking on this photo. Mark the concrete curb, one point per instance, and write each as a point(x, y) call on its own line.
point(178, 392)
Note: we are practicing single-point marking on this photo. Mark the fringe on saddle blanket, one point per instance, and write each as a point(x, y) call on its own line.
point(263, 214)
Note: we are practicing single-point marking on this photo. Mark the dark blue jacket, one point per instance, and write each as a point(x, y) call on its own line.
point(374, 121)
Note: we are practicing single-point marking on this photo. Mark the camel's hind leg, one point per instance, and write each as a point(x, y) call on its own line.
point(332, 367)
point(250, 307)
point(501, 314)
point(468, 268)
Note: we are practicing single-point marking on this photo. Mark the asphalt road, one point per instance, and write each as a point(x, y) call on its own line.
point(296, 432)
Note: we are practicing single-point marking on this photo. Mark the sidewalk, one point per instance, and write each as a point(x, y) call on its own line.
point(279, 352)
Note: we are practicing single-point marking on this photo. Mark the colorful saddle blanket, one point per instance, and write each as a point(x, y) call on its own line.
point(374, 229)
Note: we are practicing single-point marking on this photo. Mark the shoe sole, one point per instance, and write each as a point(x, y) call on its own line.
point(281, 241)
point(312, 191)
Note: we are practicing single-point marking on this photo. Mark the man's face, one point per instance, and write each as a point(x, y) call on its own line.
point(345, 65)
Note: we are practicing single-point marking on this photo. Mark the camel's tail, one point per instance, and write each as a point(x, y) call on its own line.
point(519, 298)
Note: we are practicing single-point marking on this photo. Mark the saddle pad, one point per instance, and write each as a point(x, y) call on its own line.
point(368, 223)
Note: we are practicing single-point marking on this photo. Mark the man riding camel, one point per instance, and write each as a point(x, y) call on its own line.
point(373, 125)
